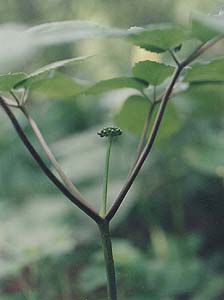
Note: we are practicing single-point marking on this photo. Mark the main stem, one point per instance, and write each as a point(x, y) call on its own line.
point(109, 260)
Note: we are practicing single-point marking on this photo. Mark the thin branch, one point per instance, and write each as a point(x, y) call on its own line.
point(50, 155)
point(147, 148)
point(174, 57)
point(201, 49)
point(81, 204)
point(15, 98)
point(147, 124)
point(145, 130)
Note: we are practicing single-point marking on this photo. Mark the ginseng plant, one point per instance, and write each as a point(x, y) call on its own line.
point(148, 80)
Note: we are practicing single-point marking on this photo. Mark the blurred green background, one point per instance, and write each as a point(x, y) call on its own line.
point(169, 234)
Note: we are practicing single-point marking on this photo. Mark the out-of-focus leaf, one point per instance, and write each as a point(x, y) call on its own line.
point(126, 254)
point(40, 74)
point(133, 113)
point(157, 38)
point(7, 81)
point(116, 83)
point(212, 289)
point(202, 100)
point(57, 85)
point(153, 72)
point(206, 72)
point(207, 155)
point(71, 31)
point(92, 277)
point(206, 27)
point(17, 47)
point(46, 234)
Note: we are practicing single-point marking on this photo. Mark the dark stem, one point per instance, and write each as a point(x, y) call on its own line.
point(82, 205)
point(109, 260)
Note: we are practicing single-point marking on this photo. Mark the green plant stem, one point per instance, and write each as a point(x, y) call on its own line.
point(103, 209)
point(109, 260)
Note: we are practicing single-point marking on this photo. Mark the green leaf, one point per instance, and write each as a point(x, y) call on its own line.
point(116, 83)
point(207, 72)
point(71, 31)
point(7, 81)
point(158, 38)
point(153, 72)
point(57, 85)
point(43, 72)
point(206, 27)
point(133, 113)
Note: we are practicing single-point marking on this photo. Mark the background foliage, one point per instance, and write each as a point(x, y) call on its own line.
point(168, 236)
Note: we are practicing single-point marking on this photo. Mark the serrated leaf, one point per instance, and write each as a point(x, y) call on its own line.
point(206, 72)
point(206, 27)
point(7, 81)
point(116, 83)
point(57, 85)
point(153, 72)
point(157, 38)
point(43, 72)
point(133, 113)
point(71, 31)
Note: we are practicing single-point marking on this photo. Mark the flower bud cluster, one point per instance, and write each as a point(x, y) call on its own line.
point(109, 132)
